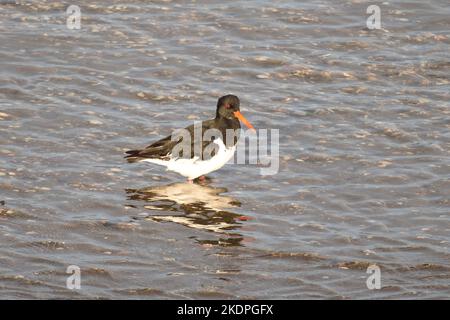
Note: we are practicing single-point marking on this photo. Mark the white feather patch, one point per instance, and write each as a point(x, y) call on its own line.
point(194, 168)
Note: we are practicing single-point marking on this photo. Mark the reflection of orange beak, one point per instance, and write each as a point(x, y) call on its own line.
point(239, 115)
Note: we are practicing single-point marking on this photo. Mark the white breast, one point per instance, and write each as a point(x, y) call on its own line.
point(194, 168)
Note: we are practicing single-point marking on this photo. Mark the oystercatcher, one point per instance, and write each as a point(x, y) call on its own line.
point(196, 161)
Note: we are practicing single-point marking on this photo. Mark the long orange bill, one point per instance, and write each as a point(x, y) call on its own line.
point(243, 120)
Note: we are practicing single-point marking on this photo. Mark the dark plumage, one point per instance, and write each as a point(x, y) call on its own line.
point(225, 119)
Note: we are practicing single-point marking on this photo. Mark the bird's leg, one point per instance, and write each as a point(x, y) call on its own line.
point(190, 181)
point(202, 178)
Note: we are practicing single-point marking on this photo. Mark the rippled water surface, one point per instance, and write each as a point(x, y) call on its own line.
point(364, 172)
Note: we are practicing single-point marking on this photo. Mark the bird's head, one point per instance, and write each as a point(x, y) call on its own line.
point(228, 108)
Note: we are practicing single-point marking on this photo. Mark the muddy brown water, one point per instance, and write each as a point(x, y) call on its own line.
point(364, 123)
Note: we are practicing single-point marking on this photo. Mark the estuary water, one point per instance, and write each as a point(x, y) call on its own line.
point(364, 150)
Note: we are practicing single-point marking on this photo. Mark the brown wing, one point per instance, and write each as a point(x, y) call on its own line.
point(162, 149)
point(157, 150)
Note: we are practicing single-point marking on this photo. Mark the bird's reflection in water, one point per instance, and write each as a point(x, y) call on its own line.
point(192, 205)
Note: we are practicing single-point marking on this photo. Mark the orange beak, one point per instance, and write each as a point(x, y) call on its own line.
point(241, 118)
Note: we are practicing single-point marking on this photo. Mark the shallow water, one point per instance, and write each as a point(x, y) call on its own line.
point(364, 150)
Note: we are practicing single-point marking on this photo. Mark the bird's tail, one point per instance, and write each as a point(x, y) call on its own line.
point(133, 156)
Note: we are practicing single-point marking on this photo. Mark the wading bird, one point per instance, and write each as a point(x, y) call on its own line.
point(186, 161)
